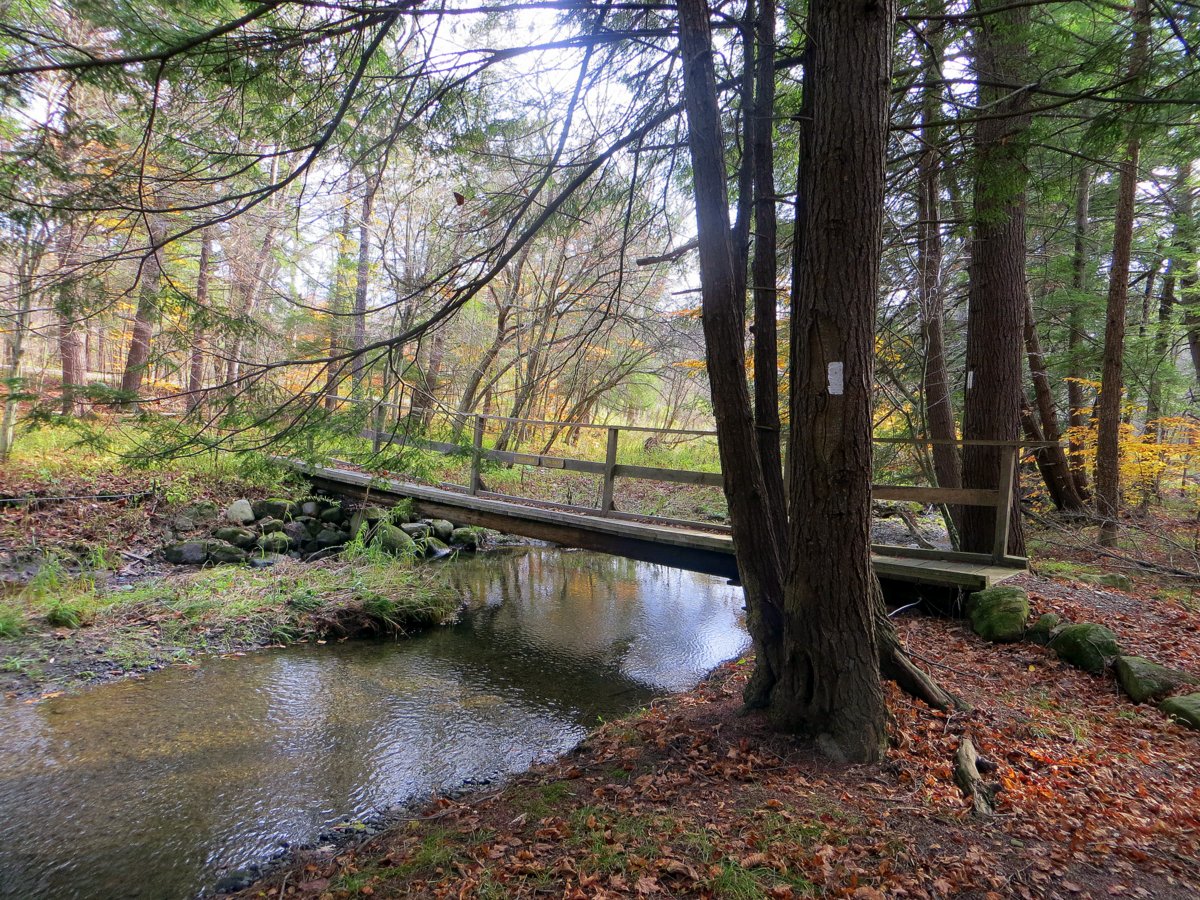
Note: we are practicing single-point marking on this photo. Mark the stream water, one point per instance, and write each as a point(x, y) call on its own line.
point(156, 788)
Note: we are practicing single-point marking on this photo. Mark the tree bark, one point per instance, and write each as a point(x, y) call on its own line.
point(757, 542)
point(764, 269)
point(148, 312)
point(935, 382)
point(362, 277)
point(1108, 449)
point(830, 682)
point(997, 291)
point(1183, 249)
point(199, 317)
point(1052, 461)
point(1078, 412)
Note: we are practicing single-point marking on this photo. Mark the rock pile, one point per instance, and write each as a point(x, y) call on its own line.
point(260, 531)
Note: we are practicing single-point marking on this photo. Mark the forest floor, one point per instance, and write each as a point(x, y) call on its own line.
point(1099, 797)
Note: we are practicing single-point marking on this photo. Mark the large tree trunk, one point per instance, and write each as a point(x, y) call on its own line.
point(935, 384)
point(829, 684)
point(146, 317)
point(764, 269)
point(996, 294)
point(1108, 470)
point(1077, 410)
point(757, 542)
point(1052, 461)
point(199, 316)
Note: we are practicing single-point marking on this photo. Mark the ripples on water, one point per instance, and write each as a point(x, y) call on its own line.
point(154, 788)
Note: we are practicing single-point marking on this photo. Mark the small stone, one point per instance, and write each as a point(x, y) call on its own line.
point(274, 508)
point(416, 529)
point(333, 515)
point(467, 538)
point(392, 539)
point(1042, 631)
point(1184, 709)
point(274, 542)
point(311, 525)
point(1086, 646)
point(268, 525)
point(442, 529)
point(1144, 680)
point(1109, 579)
point(202, 511)
point(265, 560)
point(240, 512)
point(183, 523)
point(236, 535)
point(999, 614)
point(310, 508)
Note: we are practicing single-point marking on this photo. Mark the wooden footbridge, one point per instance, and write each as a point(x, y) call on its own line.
point(701, 547)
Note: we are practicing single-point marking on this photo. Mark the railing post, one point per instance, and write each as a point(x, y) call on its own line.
point(476, 455)
point(1007, 480)
point(378, 416)
point(610, 465)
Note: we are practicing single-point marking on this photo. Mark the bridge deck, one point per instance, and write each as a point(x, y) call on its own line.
point(688, 548)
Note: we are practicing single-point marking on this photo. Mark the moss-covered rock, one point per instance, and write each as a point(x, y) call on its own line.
point(274, 542)
point(331, 537)
point(333, 515)
point(1185, 709)
point(467, 538)
point(221, 552)
point(185, 553)
point(442, 529)
point(392, 539)
point(369, 516)
point(1109, 579)
point(275, 508)
point(416, 529)
point(1144, 680)
point(999, 613)
point(1086, 646)
point(1042, 631)
point(268, 525)
point(236, 535)
point(435, 547)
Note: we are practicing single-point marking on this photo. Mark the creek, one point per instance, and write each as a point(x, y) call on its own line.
point(156, 788)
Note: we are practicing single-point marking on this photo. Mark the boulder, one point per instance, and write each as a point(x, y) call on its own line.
point(442, 529)
point(236, 535)
point(467, 538)
point(1184, 709)
point(1144, 680)
point(392, 539)
point(1042, 631)
point(221, 552)
point(416, 529)
point(268, 525)
point(333, 515)
point(1110, 579)
point(186, 553)
point(274, 508)
point(274, 542)
point(183, 523)
point(329, 537)
point(999, 613)
point(240, 512)
point(1087, 646)
point(310, 508)
point(265, 560)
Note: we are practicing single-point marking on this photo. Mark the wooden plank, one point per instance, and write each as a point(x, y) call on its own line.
point(983, 559)
point(610, 467)
point(1008, 478)
point(679, 476)
point(917, 494)
point(550, 462)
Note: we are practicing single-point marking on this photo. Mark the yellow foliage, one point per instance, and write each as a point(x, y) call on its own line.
point(1148, 464)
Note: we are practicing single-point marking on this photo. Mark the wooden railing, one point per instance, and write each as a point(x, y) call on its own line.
point(999, 498)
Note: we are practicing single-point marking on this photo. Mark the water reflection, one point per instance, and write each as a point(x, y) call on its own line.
point(152, 788)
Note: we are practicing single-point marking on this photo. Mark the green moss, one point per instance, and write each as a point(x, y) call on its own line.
point(999, 613)
point(1087, 646)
